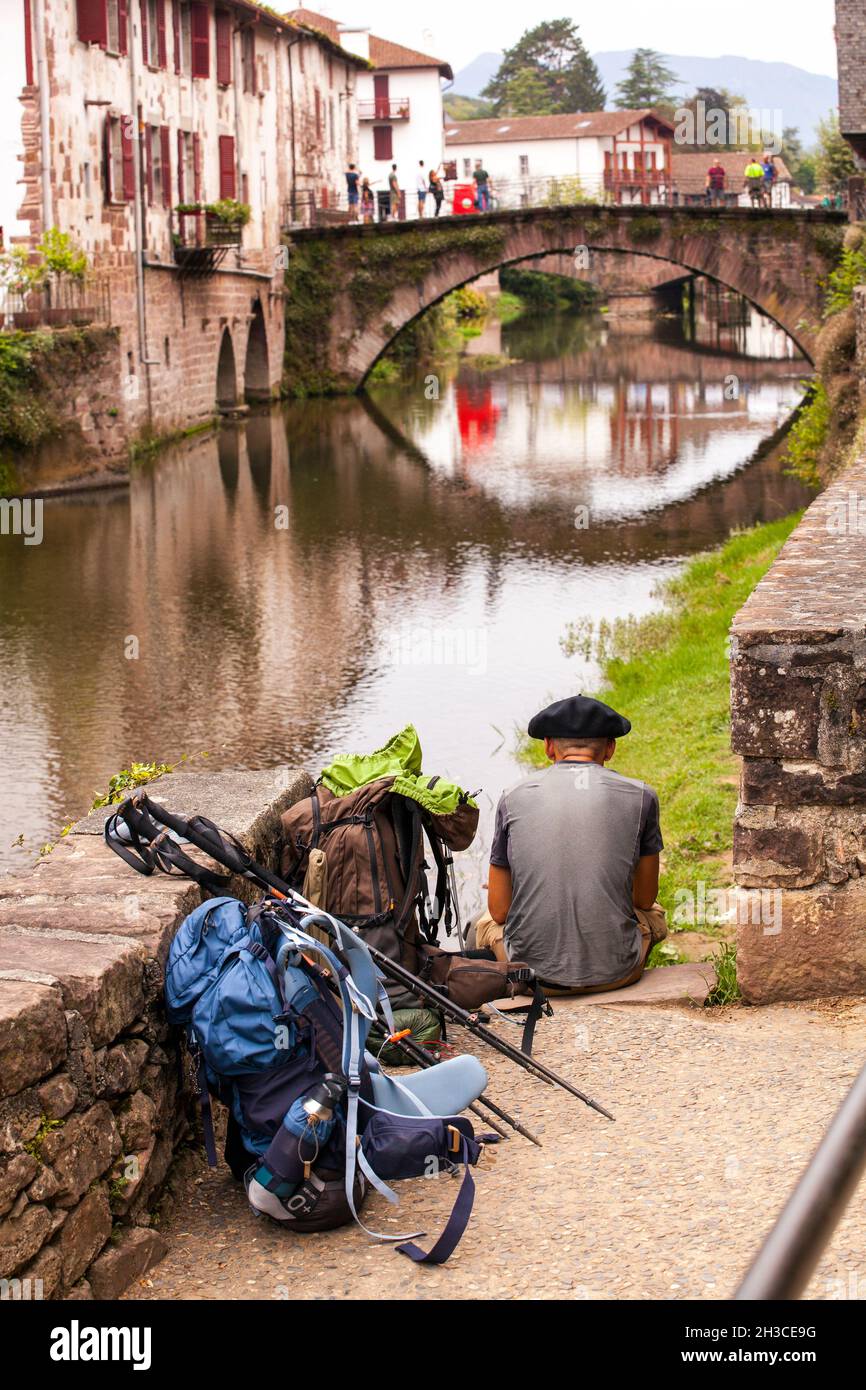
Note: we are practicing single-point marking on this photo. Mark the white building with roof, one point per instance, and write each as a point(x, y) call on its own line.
point(399, 105)
point(624, 154)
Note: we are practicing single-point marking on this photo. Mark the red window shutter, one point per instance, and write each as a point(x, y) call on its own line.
point(196, 167)
point(318, 115)
point(123, 26)
point(127, 134)
point(175, 25)
point(161, 47)
point(106, 158)
point(180, 188)
point(166, 165)
point(227, 166)
point(143, 12)
point(148, 163)
point(199, 18)
point(28, 44)
point(223, 47)
point(93, 22)
point(383, 145)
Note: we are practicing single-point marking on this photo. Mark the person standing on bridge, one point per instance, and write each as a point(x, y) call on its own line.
point(754, 177)
point(768, 165)
point(716, 182)
point(353, 179)
point(394, 192)
point(366, 201)
point(421, 187)
point(437, 190)
point(482, 187)
point(574, 861)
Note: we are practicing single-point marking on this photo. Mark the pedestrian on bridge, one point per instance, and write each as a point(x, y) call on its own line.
point(716, 182)
point(421, 187)
point(754, 177)
point(353, 179)
point(437, 189)
point(394, 192)
point(482, 187)
point(768, 164)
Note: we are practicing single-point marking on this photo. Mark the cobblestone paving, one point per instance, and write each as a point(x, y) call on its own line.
point(716, 1112)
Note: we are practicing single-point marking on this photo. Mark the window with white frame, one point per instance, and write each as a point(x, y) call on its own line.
point(113, 17)
point(524, 165)
point(153, 18)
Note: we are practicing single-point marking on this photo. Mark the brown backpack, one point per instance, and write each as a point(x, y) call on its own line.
point(374, 879)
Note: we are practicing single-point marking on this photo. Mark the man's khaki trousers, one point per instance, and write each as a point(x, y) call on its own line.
point(653, 928)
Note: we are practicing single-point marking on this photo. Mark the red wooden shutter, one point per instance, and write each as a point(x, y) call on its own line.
point(318, 115)
point(381, 88)
point(223, 47)
point(123, 26)
point(196, 167)
point(106, 156)
point(382, 142)
point(143, 11)
point(28, 44)
point(93, 22)
point(180, 153)
point(127, 135)
point(161, 47)
point(175, 24)
point(148, 162)
point(166, 165)
point(227, 166)
point(199, 17)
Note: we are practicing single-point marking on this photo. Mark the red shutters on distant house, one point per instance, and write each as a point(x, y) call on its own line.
point(166, 165)
point(196, 167)
point(383, 144)
point(175, 25)
point(223, 47)
point(145, 48)
point(228, 186)
point(93, 21)
point(148, 163)
point(127, 135)
point(200, 20)
point(123, 26)
point(181, 195)
point(161, 47)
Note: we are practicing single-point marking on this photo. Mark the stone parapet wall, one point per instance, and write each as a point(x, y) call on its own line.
point(798, 720)
point(93, 1105)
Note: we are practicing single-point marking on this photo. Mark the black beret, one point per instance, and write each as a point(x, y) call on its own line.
point(578, 717)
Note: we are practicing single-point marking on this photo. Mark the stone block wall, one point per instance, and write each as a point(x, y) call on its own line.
point(94, 1106)
point(798, 720)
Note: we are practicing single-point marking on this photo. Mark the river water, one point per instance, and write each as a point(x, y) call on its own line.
point(310, 581)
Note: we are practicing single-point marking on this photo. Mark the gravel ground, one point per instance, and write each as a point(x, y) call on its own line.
point(716, 1112)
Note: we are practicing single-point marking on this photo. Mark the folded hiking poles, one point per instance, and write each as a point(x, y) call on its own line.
point(149, 838)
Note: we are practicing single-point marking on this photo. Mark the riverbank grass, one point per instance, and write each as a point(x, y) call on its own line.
point(669, 674)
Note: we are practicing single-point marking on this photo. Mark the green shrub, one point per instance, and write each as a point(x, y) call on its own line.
point(807, 438)
point(469, 303)
point(841, 283)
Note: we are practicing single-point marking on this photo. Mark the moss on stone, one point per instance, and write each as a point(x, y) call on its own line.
point(643, 229)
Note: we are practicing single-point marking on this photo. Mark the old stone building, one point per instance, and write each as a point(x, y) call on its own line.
point(138, 117)
point(851, 53)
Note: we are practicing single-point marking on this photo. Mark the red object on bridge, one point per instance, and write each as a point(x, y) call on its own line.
point(464, 198)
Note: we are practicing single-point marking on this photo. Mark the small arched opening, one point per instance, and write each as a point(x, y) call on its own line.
point(257, 383)
point(227, 377)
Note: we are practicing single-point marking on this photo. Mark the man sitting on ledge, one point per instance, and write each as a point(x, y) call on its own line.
point(574, 863)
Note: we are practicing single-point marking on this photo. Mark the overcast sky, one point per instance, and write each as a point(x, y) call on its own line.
point(788, 31)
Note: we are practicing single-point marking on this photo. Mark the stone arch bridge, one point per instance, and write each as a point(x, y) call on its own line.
point(350, 289)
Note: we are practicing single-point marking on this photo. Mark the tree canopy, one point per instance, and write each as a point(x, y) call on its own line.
point(547, 71)
point(835, 162)
point(647, 82)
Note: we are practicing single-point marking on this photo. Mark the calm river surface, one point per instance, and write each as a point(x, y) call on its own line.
point(309, 582)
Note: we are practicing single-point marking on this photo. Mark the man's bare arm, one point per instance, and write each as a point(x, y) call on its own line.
point(498, 893)
point(646, 881)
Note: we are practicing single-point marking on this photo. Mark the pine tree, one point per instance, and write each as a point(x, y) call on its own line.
point(647, 82)
point(554, 51)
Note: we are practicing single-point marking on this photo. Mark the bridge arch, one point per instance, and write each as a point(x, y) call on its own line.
point(257, 377)
point(227, 376)
point(776, 260)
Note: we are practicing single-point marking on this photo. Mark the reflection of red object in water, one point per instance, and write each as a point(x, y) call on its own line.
point(476, 415)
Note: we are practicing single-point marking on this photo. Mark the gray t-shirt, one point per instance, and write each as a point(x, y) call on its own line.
point(571, 836)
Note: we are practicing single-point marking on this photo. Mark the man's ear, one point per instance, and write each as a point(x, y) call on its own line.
point(549, 750)
point(611, 749)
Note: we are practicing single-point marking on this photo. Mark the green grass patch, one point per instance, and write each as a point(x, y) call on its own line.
point(669, 673)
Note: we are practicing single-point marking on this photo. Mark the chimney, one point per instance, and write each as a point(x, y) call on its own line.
point(355, 40)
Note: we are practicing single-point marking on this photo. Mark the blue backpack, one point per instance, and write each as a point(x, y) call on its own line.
point(264, 1004)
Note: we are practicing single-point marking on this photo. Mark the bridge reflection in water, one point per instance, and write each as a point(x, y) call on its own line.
point(453, 519)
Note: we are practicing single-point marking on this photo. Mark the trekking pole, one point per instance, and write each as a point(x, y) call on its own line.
point(414, 1050)
point(458, 921)
point(139, 814)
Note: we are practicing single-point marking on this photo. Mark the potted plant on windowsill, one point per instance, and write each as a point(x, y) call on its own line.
point(225, 220)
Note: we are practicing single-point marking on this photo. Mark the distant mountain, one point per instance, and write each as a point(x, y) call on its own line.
point(803, 98)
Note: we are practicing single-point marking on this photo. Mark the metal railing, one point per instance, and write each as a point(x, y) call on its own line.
point(787, 1259)
point(384, 109)
point(60, 302)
